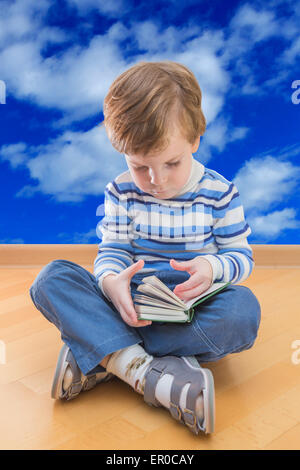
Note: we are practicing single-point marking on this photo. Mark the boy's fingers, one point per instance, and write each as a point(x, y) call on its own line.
point(191, 283)
point(190, 294)
point(129, 312)
point(133, 320)
point(131, 270)
point(181, 266)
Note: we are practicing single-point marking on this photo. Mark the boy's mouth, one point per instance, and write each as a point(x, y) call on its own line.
point(157, 190)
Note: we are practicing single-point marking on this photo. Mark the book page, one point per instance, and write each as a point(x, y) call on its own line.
point(155, 282)
point(212, 288)
point(143, 309)
point(152, 291)
point(163, 318)
point(146, 300)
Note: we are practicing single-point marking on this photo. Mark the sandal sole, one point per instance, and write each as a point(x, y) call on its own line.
point(208, 396)
point(56, 390)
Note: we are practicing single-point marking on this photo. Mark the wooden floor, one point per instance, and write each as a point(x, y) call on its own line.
point(257, 391)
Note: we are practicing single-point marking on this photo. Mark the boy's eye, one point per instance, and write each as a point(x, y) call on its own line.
point(142, 168)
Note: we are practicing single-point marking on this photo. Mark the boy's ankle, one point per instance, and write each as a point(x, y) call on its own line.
point(105, 360)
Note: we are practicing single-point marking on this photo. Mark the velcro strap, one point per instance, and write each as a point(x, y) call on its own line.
point(190, 420)
point(151, 378)
point(90, 382)
point(74, 390)
point(175, 411)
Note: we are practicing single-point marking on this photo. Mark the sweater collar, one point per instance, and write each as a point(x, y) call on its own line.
point(197, 172)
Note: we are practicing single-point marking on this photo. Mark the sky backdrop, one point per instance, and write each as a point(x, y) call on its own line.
point(57, 61)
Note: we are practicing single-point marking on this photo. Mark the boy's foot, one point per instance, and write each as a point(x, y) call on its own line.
point(199, 410)
point(179, 384)
point(69, 381)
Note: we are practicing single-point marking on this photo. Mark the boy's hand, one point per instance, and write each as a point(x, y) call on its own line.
point(117, 288)
point(200, 280)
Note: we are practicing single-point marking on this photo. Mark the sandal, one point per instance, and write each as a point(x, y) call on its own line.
point(185, 370)
point(79, 383)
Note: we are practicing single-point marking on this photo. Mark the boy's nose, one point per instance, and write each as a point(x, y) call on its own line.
point(157, 178)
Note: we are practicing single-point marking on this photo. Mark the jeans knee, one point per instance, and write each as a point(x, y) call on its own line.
point(242, 324)
point(47, 271)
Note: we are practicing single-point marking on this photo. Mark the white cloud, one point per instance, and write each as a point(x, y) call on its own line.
point(77, 82)
point(262, 182)
point(70, 167)
point(292, 53)
point(254, 25)
point(272, 225)
point(217, 136)
point(252, 28)
point(16, 154)
point(20, 19)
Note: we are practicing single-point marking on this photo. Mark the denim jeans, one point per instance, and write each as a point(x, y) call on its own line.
point(69, 297)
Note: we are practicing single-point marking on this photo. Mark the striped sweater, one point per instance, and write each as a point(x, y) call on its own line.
point(205, 218)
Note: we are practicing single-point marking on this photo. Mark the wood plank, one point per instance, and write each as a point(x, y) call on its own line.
point(41, 254)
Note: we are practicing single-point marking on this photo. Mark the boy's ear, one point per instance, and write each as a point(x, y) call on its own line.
point(196, 145)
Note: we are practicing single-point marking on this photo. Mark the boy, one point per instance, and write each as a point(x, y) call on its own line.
point(168, 216)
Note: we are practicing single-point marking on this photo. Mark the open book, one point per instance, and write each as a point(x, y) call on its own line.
point(158, 303)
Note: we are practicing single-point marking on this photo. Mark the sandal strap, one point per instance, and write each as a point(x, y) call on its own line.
point(152, 376)
point(190, 417)
point(90, 382)
point(182, 374)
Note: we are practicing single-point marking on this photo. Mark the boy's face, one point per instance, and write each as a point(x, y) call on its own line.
point(164, 174)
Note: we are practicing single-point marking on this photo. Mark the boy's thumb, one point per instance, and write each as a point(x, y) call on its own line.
point(135, 267)
point(179, 264)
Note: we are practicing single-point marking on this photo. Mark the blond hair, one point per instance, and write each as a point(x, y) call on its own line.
point(139, 102)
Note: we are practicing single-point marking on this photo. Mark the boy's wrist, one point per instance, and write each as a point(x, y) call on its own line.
point(216, 265)
point(101, 279)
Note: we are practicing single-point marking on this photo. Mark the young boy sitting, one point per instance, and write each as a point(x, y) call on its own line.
point(170, 216)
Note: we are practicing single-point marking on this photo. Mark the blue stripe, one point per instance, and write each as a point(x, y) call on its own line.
point(98, 275)
point(118, 246)
point(204, 194)
point(115, 219)
point(243, 251)
point(165, 231)
point(165, 256)
point(116, 262)
point(230, 229)
point(234, 234)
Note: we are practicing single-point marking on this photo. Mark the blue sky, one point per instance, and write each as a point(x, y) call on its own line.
point(58, 59)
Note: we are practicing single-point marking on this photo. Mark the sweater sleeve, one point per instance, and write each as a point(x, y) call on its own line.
point(234, 260)
point(115, 251)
